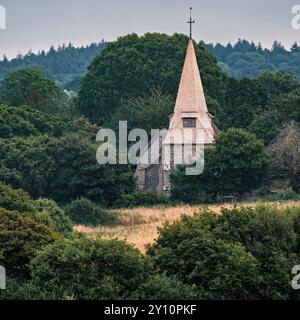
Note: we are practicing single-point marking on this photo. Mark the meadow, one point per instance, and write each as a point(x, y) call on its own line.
point(139, 226)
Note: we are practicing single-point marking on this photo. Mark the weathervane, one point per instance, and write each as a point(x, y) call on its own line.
point(190, 22)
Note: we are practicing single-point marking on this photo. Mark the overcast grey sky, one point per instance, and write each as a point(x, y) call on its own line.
point(38, 24)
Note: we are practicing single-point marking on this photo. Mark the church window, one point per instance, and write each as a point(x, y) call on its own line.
point(189, 122)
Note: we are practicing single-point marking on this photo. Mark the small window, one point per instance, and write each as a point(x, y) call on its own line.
point(189, 122)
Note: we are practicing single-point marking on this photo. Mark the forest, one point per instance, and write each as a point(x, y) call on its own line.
point(67, 64)
point(51, 182)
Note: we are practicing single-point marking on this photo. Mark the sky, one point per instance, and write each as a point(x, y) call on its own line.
point(38, 24)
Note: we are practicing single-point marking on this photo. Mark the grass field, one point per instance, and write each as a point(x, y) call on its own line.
point(138, 226)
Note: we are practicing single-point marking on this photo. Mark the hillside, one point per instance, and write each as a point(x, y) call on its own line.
point(67, 64)
point(245, 59)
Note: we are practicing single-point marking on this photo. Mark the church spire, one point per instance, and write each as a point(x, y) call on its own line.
point(190, 96)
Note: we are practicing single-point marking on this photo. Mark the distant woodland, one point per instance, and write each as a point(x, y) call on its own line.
point(67, 64)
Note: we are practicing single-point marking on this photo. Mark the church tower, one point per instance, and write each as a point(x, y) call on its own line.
point(190, 117)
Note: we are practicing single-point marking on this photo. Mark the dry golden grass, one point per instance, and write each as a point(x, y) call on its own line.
point(138, 226)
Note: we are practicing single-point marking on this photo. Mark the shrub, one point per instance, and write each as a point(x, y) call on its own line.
point(242, 254)
point(84, 211)
point(21, 236)
point(88, 269)
point(15, 199)
point(141, 198)
point(162, 287)
point(219, 270)
point(236, 164)
point(283, 196)
point(59, 221)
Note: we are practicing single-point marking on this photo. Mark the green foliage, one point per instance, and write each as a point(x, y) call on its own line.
point(131, 65)
point(84, 211)
point(236, 164)
point(18, 200)
point(31, 87)
point(141, 198)
point(241, 254)
point(283, 196)
point(147, 112)
point(65, 64)
point(246, 59)
point(25, 121)
point(21, 236)
point(59, 221)
point(63, 169)
point(43, 211)
point(285, 155)
point(88, 269)
point(219, 270)
point(243, 100)
point(162, 287)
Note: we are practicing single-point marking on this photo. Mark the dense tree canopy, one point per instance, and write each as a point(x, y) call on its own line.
point(62, 168)
point(285, 155)
point(240, 254)
point(66, 64)
point(31, 87)
point(246, 59)
point(133, 65)
point(236, 164)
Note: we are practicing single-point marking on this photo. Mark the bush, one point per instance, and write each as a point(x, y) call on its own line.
point(15, 199)
point(21, 236)
point(236, 164)
point(141, 198)
point(241, 254)
point(88, 269)
point(219, 270)
point(162, 287)
point(30, 87)
point(84, 211)
point(59, 221)
point(63, 169)
point(283, 196)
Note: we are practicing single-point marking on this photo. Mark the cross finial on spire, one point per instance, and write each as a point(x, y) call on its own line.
point(190, 22)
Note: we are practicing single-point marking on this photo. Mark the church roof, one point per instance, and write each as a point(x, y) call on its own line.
point(190, 96)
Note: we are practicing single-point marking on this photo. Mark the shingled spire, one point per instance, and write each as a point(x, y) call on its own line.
point(190, 96)
point(191, 109)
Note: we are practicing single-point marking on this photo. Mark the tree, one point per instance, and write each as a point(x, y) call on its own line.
point(88, 269)
point(63, 169)
point(218, 269)
point(132, 65)
point(15, 199)
point(236, 164)
point(244, 99)
point(21, 236)
point(285, 155)
point(84, 211)
point(59, 221)
point(148, 112)
point(31, 87)
point(25, 121)
point(244, 253)
point(278, 83)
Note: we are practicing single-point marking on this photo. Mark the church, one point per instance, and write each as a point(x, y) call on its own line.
point(190, 117)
